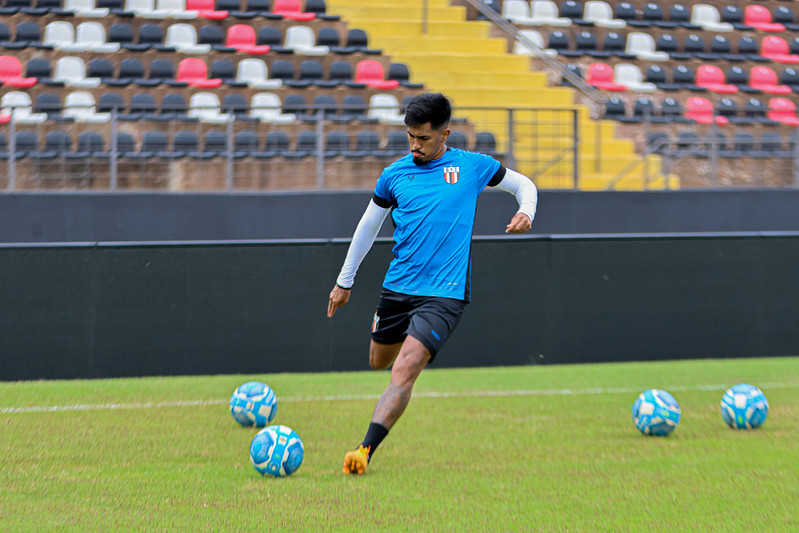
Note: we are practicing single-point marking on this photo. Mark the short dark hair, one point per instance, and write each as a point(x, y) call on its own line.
point(428, 107)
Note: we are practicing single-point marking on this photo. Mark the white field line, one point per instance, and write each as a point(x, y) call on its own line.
point(349, 397)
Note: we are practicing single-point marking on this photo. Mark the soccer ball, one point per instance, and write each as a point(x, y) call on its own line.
point(277, 450)
point(656, 412)
point(744, 406)
point(253, 403)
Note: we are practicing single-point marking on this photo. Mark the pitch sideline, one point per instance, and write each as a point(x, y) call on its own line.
point(350, 397)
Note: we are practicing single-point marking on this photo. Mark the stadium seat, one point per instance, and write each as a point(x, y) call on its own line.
point(57, 143)
point(585, 43)
point(734, 15)
point(614, 44)
point(18, 105)
point(776, 49)
point(183, 37)
point(213, 35)
point(115, 7)
point(11, 73)
point(667, 43)
point(642, 46)
point(90, 145)
point(749, 49)
point(518, 12)
point(49, 104)
point(309, 73)
point(271, 36)
point(711, 78)
point(242, 38)
point(205, 9)
point(162, 71)
point(457, 139)
point(729, 109)
point(28, 35)
point(194, 72)
point(72, 71)
point(707, 17)
point(152, 36)
point(90, 37)
point(701, 110)
point(267, 107)
point(355, 108)
point(772, 145)
point(145, 9)
point(759, 17)
point(601, 77)
point(790, 77)
point(101, 68)
point(114, 105)
point(561, 42)
point(396, 144)
point(85, 8)
point(600, 14)
point(80, 106)
point(535, 37)
point(225, 70)
point(206, 107)
point(296, 104)
point(671, 111)
point(143, 107)
point(184, 144)
point(629, 75)
point(629, 14)
point(736, 75)
point(573, 10)
point(694, 45)
point(615, 109)
point(277, 144)
point(175, 9)
point(302, 40)
point(175, 107)
point(721, 48)
point(306, 146)
point(657, 75)
point(337, 143)
point(319, 8)
point(400, 73)
point(255, 73)
point(685, 78)
point(485, 143)
point(370, 72)
point(385, 108)
point(367, 143)
point(765, 79)
point(652, 15)
point(783, 110)
point(131, 70)
point(358, 41)
point(245, 144)
point(60, 35)
point(292, 10)
point(785, 16)
point(236, 105)
point(341, 74)
point(545, 13)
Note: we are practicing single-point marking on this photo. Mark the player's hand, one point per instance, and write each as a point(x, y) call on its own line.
point(338, 297)
point(519, 224)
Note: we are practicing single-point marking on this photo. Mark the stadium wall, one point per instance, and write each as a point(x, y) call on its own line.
point(110, 217)
point(108, 310)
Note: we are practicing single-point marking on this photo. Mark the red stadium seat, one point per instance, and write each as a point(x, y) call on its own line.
point(765, 79)
point(600, 76)
point(11, 73)
point(194, 72)
point(242, 38)
point(783, 110)
point(776, 49)
point(712, 78)
point(205, 9)
point(371, 72)
point(701, 110)
point(759, 17)
point(292, 10)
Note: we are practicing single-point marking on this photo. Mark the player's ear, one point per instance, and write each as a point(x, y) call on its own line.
point(445, 134)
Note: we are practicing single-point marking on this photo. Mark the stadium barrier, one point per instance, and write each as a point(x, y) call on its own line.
point(107, 310)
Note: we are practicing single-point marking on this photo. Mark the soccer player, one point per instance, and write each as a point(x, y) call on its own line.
point(432, 195)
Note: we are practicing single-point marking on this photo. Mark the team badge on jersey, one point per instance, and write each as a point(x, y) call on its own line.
point(451, 174)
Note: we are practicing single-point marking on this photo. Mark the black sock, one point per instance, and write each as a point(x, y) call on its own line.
point(374, 436)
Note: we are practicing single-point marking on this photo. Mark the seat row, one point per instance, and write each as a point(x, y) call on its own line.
point(178, 9)
point(181, 37)
point(251, 72)
point(601, 14)
point(777, 111)
point(742, 144)
point(245, 143)
point(81, 106)
point(667, 46)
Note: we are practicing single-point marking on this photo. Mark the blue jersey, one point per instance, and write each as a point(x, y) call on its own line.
point(434, 208)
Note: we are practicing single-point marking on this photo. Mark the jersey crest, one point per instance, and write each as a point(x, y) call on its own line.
point(451, 174)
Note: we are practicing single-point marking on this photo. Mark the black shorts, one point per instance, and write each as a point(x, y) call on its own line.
point(428, 319)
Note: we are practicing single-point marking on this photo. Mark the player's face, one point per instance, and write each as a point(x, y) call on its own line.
point(427, 143)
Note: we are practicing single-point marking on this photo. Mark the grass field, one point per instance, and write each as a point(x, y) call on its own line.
point(549, 448)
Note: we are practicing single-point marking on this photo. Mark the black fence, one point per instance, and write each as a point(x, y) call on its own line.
point(162, 309)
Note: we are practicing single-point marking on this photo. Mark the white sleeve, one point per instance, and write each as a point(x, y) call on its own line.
point(523, 188)
point(362, 241)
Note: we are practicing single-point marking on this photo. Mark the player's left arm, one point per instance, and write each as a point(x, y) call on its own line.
point(526, 193)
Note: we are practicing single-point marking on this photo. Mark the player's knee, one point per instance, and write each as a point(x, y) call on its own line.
point(381, 356)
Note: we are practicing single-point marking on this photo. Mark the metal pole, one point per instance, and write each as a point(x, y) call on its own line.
point(12, 154)
point(229, 151)
point(511, 160)
point(576, 148)
point(320, 152)
point(114, 151)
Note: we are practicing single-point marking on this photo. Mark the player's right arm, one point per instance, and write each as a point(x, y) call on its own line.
point(362, 241)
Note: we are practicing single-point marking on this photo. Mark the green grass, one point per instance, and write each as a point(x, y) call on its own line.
point(538, 460)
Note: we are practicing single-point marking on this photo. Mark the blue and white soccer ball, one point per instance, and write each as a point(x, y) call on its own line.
point(277, 450)
point(656, 413)
point(253, 404)
point(744, 406)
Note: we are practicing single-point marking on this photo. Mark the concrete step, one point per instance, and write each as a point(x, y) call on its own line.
point(412, 28)
point(380, 13)
point(444, 45)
